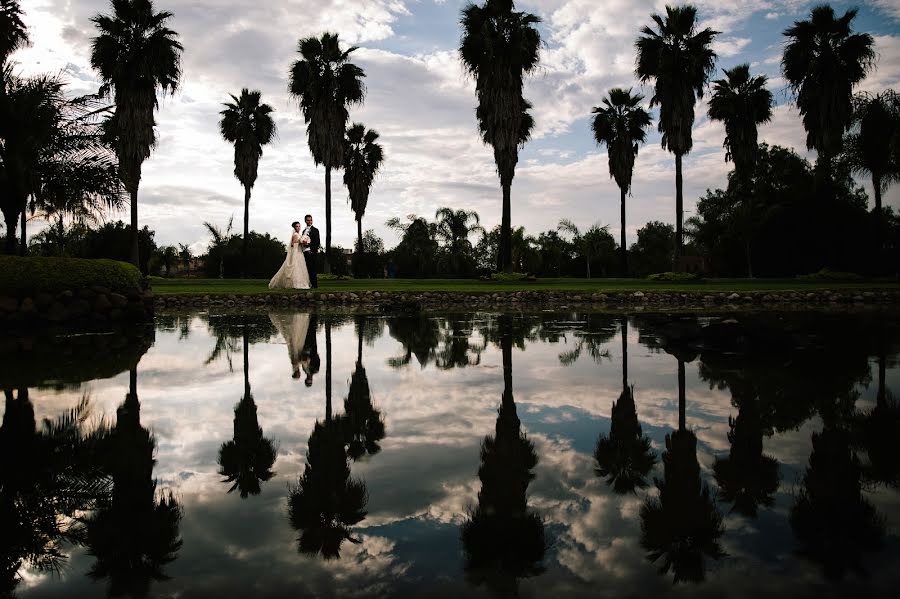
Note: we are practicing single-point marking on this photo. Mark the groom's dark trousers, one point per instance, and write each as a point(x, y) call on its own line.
point(311, 256)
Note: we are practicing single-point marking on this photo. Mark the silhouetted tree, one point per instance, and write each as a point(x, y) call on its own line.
point(248, 124)
point(362, 159)
point(499, 47)
point(621, 124)
point(135, 54)
point(247, 459)
point(679, 60)
point(363, 424)
point(326, 83)
point(502, 539)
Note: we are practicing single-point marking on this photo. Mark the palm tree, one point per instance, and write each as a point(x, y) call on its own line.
point(219, 240)
point(625, 457)
point(326, 84)
point(876, 118)
point(362, 423)
point(247, 124)
point(362, 158)
point(679, 59)
point(453, 227)
point(499, 47)
point(823, 60)
point(135, 54)
point(247, 459)
point(503, 539)
point(621, 124)
point(13, 33)
point(743, 103)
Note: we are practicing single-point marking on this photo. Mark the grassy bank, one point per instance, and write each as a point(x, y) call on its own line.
point(256, 286)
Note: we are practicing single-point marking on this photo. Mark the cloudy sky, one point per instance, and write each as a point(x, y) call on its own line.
point(423, 106)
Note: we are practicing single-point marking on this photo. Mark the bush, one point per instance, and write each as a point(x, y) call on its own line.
point(264, 257)
point(511, 276)
point(676, 277)
point(25, 276)
point(830, 275)
point(334, 277)
point(337, 260)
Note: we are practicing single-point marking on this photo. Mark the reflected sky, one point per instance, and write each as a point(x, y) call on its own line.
point(436, 382)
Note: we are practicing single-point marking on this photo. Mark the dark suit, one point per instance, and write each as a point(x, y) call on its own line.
point(311, 255)
point(311, 350)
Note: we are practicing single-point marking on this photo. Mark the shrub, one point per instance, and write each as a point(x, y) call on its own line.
point(334, 277)
point(264, 257)
point(337, 260)
point(511, 276)
point(675, 277)
point(25, 276)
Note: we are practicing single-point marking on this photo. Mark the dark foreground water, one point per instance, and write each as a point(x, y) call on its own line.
point(550, 454)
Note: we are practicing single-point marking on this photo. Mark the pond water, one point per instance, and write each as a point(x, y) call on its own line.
point(455, 454)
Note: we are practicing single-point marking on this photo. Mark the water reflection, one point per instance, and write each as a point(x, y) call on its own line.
point(247, 459)
point(134, 532)
point(503, 539)
point(625, 456)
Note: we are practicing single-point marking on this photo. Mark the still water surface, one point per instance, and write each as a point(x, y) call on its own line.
point(584, 454)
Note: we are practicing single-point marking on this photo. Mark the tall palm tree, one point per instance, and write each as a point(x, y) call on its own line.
point(326, 84)
point(362, 159)
point(13, 33)
point(679, 59)
point(247, 124)
point(823, 60)
point(499, 47)
point(135, 54)
point(743, 103)
point(247, 459)
point(621, 124)
point(876, 119)
point(503, 539)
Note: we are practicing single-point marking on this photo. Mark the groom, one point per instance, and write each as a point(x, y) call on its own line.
point(311, 251)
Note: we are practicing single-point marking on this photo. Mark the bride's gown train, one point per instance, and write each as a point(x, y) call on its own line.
point(293, 327)
point(293, 273)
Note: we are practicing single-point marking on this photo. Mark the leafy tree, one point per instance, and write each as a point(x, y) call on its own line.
point(593, 244)
point(556, 254)
point(135, 54)
point(13, 33)
point(362, 159)
point(247, 124)
point(652, 252)
point(368, 260)
point(679, 60)
point(415, 255)
point(621, 124)
point(823, 61)
point(453, 228)
point(219, 240)
point(326, 83)
point(499, 46)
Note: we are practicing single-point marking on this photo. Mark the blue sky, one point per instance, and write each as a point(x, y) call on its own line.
point(423, 106)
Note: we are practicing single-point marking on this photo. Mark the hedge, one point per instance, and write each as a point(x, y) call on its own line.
point(20, 277)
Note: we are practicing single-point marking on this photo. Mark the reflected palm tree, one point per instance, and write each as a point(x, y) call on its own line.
point(52, 478)
point(134, 534)
point(420, 336)
point(831, 519)
point(682, 524)
point(592, 335)
point(326, 502)
point(363, 424)
point(625, 457)
point(502, 539)
point(879, 430)
point(246, 460)
point(457, 347)
point(747, 478)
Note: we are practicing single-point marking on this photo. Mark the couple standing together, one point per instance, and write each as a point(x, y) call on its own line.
point(299, 268)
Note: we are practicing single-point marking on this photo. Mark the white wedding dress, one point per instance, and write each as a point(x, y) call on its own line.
point(293, 273)
point(293, 327)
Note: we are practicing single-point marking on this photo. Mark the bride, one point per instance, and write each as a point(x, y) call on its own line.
point(293, 273)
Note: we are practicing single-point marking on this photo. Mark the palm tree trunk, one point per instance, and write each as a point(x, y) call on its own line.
point(359, 248)
point(246, 231)
point(505, 253)
point(328, 371)
point(246, 361)
point(624, 250)
point(682, 402)
point(624, 328)
point(359, 336)
point(22, 243)
point(326, 267)
point(879, 217)
point(587, 260)
point(679, 210)
point(881, 397)
point(506, 348)
point(132, 382)
point(135, 252)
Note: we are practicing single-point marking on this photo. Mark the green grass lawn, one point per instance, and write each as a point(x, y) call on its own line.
point(242, 286)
